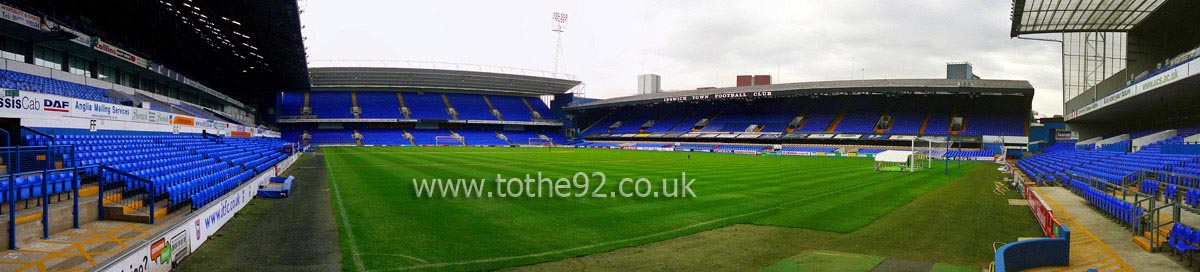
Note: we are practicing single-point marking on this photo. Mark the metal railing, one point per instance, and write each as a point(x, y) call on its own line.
point(126, 190)
point(1173, 200)
point(1051, 178)
point(32, 133)
point(1181, 180)
point(1149, 203)
point(40, 171)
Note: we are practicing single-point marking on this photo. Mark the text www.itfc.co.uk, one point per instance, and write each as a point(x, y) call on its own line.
point(580, 185)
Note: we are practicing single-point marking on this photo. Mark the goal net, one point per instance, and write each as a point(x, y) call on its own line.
point(931, 149)
point(538, 141)
point(447, 140)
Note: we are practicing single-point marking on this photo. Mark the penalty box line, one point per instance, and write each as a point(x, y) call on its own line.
point(556, 252)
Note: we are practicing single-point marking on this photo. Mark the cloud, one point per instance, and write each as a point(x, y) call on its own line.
point(696, 43)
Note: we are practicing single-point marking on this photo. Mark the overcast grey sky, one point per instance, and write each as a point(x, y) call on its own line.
point(693, 43)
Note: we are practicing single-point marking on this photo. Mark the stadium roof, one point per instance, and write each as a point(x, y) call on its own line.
point(338, 78)
point(1060, 16)
point(873, 86)
point(245, 49)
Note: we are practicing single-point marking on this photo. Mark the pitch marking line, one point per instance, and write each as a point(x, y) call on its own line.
point(709, 222)
point(481, 164)
point(358, 263)
point(398, 255)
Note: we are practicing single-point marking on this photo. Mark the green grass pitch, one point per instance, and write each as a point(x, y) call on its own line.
point(390, 228)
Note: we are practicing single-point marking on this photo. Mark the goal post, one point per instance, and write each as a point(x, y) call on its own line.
point(922, 154)
point(447, 140)
point(538, 141)
point(931, 149)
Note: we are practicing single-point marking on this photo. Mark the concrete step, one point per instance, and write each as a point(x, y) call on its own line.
point(89, 190)
point(1165, 231)
point(1155, 241)
point(1142, 242)
point(131, 212)
point(112, 198)
point(124, 208)
point(29, 218)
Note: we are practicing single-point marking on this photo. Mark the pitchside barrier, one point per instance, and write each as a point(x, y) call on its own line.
point(1045, 215)
point(170, 245)
point(1034, 253)
point(758, 152)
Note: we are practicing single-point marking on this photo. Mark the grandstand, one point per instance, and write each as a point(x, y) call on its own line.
point(1126, 144)
point(411, 106)
point(876, 112)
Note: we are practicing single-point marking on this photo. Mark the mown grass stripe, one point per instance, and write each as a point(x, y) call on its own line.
point(808, 192)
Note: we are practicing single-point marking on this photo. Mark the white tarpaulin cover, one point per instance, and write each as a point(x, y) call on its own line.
point(893, 156)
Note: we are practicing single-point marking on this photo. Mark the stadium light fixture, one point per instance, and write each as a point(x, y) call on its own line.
point(560, 22)
point(558, 25)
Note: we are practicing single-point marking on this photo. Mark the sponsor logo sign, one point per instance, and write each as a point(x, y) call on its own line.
point(183, 121)
point(102, 110)
point(1064, 135)
point(56, 105)
point(1160, 79)
point(121, 54)
point(1045, 216)
point(160, 251)
point(20, 17)
point(25, 103)
point(1164, 78)
point(53, 111)
point(721, 96)
point(179, 245)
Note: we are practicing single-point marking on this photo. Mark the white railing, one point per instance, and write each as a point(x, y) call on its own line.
point(438, 66)
point(1138, 143)
point(1089, 141)
point(1192, 139)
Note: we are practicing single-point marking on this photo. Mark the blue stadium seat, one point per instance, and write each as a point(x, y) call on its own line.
point(379, 105)
point(27, 82)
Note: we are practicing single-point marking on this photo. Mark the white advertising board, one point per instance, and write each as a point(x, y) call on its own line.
point(41, 110)
point(20, 17)
point(1162, 79)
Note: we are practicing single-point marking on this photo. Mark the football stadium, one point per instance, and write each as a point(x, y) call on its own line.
point(202, 136)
